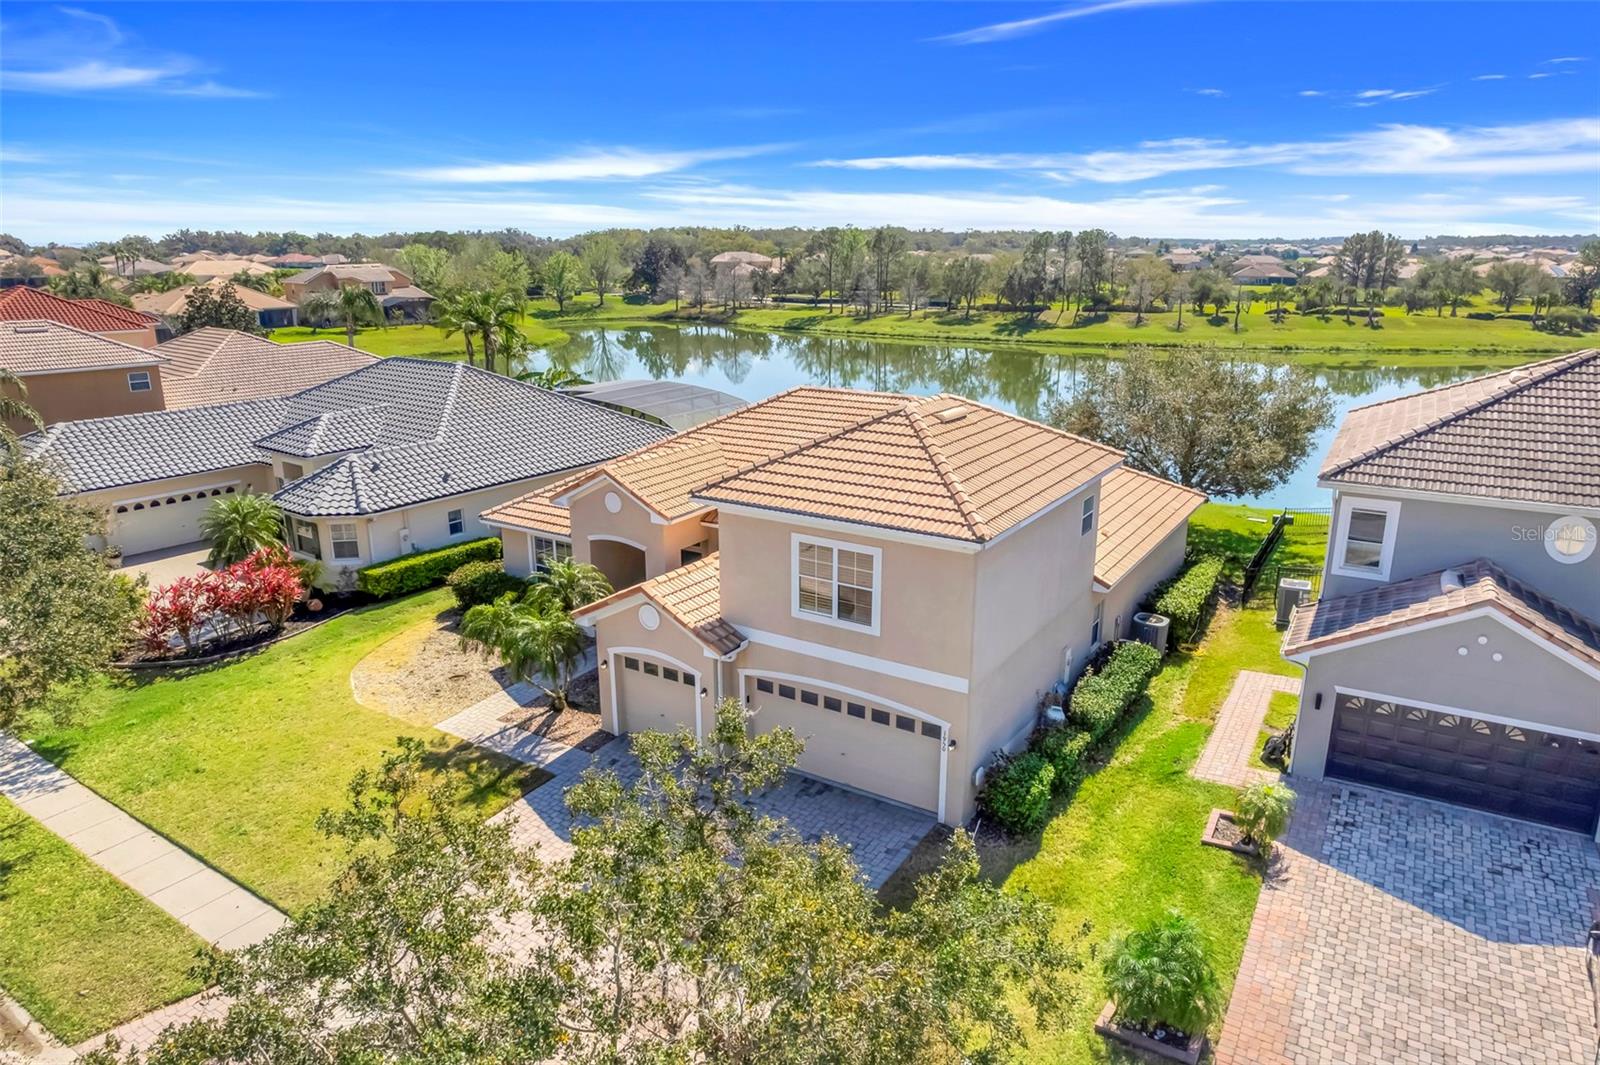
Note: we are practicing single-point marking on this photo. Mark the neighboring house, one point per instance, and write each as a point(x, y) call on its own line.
point(135, 268)
point(752, 259)
point(1264, 275)
point(69, 373)
point(110, 320)
point(207, 269)
point(397, 456)
point(395, 292)
point(271, 312)
point(1454, 652)
point(210, 366)
point(898, 579)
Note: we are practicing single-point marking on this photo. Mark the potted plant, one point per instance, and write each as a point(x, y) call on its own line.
point(1263, 814)
point(1163, 989)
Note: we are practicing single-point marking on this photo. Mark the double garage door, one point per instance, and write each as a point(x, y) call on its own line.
point(854, 740)
point(1520, 772)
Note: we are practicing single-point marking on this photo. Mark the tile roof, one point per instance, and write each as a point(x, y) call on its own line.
point(43, 347)
point(91, 315)
point(212, 365)
point(691, 595)
point(1137, 512)
point(424, 429)
point(942, 466)
point(343, 272)
point(534, 512)
point(206, 269)
point(1330, 622)
point(1531, 434)
point(173, 302)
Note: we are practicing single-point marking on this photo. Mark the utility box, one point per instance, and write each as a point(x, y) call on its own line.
point(1152, 629)
point(1292, 591)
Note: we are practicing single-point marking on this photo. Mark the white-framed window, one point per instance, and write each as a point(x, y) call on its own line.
point(456, 521)
point(548, 547)
point(139, 381)
point(379, 288)
point(343, 536)
point(306, 540)
point(1363, 544)
point(1088, 515)
point(1099, 623)
point(835, 583)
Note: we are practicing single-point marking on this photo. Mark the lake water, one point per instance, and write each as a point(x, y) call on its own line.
point(754, 365)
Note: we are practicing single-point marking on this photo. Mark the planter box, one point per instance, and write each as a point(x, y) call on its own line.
point(1189, 1055)
point(1212, 838)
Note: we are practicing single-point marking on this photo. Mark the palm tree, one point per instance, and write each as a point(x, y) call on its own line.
point(239, 525)
point(552, 378)
point(14, 408)
point(494, 316)
point(537, 645)
point(567, 585)
point(356, 305)
point(450, 314)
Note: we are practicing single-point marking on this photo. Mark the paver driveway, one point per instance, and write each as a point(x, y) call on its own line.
point(1400, 930)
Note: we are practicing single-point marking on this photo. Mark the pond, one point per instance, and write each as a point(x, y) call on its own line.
point(755, 365)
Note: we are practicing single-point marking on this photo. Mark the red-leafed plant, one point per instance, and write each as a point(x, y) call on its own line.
point(179, 609)
point(235, 599)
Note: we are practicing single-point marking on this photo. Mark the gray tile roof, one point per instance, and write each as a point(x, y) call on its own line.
point(1531, 435)
point(424, 430)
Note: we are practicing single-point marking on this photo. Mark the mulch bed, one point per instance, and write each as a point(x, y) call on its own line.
point(576, 726)
point(214, 649)
point(1223, 831)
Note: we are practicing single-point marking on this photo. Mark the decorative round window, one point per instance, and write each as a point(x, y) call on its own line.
point(613, 502)
point(649, 617)
point(1570, 539)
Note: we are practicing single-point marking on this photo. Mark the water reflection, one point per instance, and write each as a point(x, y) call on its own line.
point(754, 365)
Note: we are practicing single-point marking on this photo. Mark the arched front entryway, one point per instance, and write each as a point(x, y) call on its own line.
point(620, 560)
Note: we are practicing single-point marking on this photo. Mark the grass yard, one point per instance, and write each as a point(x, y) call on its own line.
point(1280, 714)
point(417, 341)
point(79, 949)
point(235, 762)
point(1235, 532)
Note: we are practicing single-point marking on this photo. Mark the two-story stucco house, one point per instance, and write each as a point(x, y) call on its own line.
point(1455, 652)
point(898, 579)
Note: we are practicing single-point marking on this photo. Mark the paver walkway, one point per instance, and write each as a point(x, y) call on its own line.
point(1397, 930)
point(215, 908)
point(1226, 759)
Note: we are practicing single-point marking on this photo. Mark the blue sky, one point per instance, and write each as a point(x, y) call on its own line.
point(1181, 119)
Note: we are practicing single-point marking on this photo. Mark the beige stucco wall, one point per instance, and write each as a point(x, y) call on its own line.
point(662, 544)
point(139, 338)
point(667, 643)
point(1529, 684)
point(65, 397)
point(1122, 601)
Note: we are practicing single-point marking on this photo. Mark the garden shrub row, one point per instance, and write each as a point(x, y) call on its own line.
point(424, 569)
point(1017, 792)
point(482, 582)
point(1184, 599)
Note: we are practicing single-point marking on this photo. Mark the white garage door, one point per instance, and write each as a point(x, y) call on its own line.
point(653, 695)
point(854, 740)
point(155, 522)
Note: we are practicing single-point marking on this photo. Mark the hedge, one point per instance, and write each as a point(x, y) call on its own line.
point(424, 569)
point(482, 582)
point(1184, 599)
point(1017, 793)
point(1066, 749)
point(1100, 699)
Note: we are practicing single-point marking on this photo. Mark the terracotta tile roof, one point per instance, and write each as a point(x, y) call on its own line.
point(212, 365)
point(1137, 512)
point(535, 513)
point(42, 347)
point(942, 466)
point(174, 301)
point(691, 595)
point(92, 316)
point(1432, 596)
point(1531, 434)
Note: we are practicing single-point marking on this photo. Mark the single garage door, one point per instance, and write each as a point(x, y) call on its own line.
point(157, 522)
point(852, 740)
point(654, 695)
point(1520, 772)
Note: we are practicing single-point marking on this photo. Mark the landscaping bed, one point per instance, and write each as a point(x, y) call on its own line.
point(229, 645)
point(1169, 1044)
point(576, 726)
point(423, 675)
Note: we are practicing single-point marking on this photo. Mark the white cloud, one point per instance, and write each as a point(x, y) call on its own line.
point(1412, 94)
point(1209, 92)
point(600, 164)
point(1369, 94)
point(1312, 92)
point(1490, 77)
point(1569, 59)
point(87, 52)
point(1002, 31)
point(1548, 147)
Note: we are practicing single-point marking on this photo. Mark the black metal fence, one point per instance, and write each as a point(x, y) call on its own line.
point(1262, 573)
point(1275, 573)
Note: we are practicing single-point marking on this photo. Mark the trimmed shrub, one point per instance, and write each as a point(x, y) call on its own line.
point(1100, 699)
point(1184, 599)
point(1017, 793)
point(482, 582)
point(1065, 749)
point(1160, 975)
point(424, 569)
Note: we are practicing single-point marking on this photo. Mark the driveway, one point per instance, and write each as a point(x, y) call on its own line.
point(1401, 930)
point(168, 564)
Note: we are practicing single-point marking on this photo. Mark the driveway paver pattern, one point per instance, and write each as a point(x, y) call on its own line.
point(1226, 758)
point(1393, 929)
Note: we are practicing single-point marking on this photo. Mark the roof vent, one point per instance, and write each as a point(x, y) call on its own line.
point(1519, 376)
point(31, 327)
point(445, 476)
point(951, 414)
point(1450, 581)
point(373, 468)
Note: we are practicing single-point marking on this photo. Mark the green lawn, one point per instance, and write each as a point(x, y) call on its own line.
point(79, 949)
point(235, 762)
point(1280, 712)
point(418, 341)
point(1235, 532)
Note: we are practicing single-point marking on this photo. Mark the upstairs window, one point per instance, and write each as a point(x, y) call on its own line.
point(836, 583)
point(1088, 516)
point(1364, 544)
point(139, 381)
point(293, 471)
